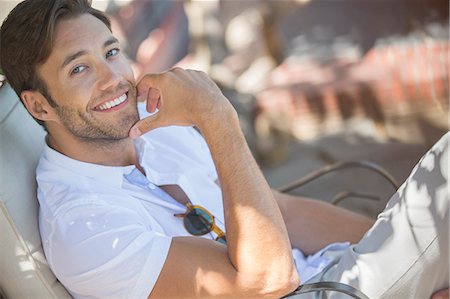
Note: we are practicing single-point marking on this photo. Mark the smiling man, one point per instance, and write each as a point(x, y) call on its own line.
point(92, 98)
point(170, 212)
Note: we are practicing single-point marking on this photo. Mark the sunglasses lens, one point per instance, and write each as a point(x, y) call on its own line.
point(198, 222)
point(222, 240)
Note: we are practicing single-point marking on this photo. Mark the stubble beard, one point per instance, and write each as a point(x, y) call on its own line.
point(88, 128)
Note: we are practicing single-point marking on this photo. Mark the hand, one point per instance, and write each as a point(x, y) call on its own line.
point(442, 294)
point(183, 97)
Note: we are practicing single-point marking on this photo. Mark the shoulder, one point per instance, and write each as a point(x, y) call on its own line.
point(101, 249)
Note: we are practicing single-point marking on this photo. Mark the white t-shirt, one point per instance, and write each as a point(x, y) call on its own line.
point(106, 231)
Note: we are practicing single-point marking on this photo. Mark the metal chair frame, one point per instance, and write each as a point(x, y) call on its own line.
point(324, 286)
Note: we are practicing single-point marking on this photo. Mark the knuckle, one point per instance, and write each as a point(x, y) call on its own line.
point(148, 80)
point(147, 121)
point(197, 72)
point(176, 69)
point(148, 77)
point(165, 76)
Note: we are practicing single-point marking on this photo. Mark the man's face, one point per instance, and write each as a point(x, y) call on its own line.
point(90, 81)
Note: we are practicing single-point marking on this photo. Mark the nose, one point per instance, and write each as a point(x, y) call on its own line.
point(108, 77)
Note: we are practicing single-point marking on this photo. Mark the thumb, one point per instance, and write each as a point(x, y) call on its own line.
point(442, 294)
point(144, 125)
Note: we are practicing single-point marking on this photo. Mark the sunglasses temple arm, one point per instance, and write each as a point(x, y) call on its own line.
point(218, 231)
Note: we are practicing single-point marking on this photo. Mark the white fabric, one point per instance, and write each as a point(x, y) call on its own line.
point(406, 253)
point(107, 230)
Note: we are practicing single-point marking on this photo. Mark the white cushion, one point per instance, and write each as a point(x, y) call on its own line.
point(25, 273)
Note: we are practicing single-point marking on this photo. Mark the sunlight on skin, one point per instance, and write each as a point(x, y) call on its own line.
point(219, 279)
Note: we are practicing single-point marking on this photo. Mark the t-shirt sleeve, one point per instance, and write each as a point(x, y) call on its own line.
point(105, 251)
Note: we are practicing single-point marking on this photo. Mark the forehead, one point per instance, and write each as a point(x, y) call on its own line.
point(78, 33)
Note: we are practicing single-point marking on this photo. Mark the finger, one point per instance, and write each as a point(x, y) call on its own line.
point(144, 125)
point(153, 100)
point(158, 105)
point(147, 82)
point(142, 94)
point(442, 294)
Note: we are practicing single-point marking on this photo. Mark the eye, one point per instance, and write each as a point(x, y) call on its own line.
point(112, 52)
point(78, 69)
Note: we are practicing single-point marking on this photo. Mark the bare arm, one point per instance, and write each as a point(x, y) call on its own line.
point(313, 224)
point(257, 260)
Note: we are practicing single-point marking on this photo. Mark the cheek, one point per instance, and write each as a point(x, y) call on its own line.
point(80, 92)
point(83, 86)
point(75, 92)
point(125, 68)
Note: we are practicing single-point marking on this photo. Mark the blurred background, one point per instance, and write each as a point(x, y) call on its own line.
point(314, 82)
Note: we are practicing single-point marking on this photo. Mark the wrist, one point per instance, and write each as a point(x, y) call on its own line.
point(221, 115)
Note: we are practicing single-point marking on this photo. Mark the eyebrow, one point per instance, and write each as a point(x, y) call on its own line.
point(72, 57)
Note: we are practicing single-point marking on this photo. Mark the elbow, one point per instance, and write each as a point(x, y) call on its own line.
point(280, 284)
point(290, 284)
point(294, 282)
point(288, 278)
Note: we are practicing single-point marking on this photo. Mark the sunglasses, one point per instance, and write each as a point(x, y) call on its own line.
point(198, 221)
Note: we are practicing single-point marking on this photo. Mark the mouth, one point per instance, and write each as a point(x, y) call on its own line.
point(113, 104)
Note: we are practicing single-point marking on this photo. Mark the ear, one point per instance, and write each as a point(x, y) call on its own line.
point(37, 105)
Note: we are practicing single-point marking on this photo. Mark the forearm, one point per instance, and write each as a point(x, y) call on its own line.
point(258, 258)
point(257, 238)
point(313, 224)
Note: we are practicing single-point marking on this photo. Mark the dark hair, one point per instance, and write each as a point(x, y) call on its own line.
point(27, 37)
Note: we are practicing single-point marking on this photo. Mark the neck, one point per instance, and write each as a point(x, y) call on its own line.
point(104, 152)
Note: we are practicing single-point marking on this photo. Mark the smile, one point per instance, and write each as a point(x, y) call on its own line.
point(113, 103)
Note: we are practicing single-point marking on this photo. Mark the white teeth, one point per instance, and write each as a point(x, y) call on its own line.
point(113, 103)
